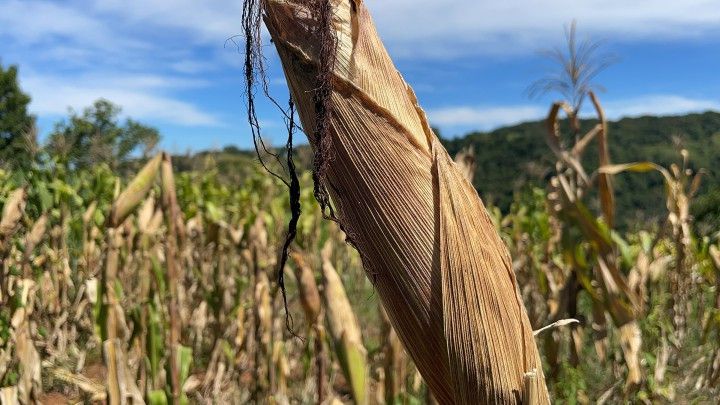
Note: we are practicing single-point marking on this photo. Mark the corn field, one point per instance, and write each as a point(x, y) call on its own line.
point(161, 290)
point(171, 286)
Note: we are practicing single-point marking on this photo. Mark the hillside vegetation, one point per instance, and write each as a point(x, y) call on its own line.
point(511, 158)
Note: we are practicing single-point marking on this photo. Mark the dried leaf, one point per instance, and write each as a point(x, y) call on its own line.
point(560, 323)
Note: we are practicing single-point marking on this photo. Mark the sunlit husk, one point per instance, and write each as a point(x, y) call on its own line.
point(425, 238)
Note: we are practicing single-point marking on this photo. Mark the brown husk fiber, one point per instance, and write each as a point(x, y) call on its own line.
point(425, 238)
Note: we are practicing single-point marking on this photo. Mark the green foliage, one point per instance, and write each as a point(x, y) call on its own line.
point(16, 124)
point(157, 397)
point(570, 385)
point(96, 136)
point(185, 358)
point(512, 158)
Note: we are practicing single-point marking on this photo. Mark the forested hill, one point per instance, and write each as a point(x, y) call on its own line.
point(511, 158)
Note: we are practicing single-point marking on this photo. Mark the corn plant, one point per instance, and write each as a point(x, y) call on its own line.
point(424, 236)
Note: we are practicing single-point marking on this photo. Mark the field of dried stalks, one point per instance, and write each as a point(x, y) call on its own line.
point(167, 288)
point(163, 290)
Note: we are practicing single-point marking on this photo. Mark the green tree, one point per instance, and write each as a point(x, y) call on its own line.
point(96, 136)
point(17, 139)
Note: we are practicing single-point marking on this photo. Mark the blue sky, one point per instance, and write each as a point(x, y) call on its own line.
point(168, 64)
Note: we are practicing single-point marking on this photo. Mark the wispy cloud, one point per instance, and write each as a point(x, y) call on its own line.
point(140, 99)
point(488, 118)
point(198, 21)
point(64, 31)
point(35, 21)
point(659, 105)
point(432, 28)
point(74, 52)
point(411, 28)
point(483, 118)
point(163, 60)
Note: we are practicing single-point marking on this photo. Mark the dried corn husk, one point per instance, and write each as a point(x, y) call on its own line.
point(440, 268)
point(9, 396)
point(135, 192)
point(34, 237)
point(12, 213)
point(145, 214)
point(715, 255)
point(263, 331)
point(344, 329)
point(309, 295)
point(30, 383)
point(394, 369)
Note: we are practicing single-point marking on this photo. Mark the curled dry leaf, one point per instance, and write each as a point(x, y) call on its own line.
point(558, 324)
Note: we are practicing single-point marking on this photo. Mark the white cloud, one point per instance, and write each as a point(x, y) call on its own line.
point(33, 22)
point(209, 20)
point(141, 99)
point(659, 105)
point(435, 28)
point(488, 118)
point(139, 53)
point(189, 66)
point(72, 53)
point(483, 118)
point(411, 28)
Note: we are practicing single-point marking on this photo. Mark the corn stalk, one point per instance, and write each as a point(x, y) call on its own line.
point(174, 274)
point(570, 184)
point(110, 308)
point(344, 329)
point(712, 375)
point(681, 186)
point(9, 223)
point(311, 304)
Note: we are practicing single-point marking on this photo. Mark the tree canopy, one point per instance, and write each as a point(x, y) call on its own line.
point(96, 136)
point(17, 136)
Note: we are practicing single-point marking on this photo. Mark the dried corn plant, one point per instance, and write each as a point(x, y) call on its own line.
point(465, 160)
point(712, 373)
point(681, 186)
point(422, 232)
point(233, 346)
point(394, 369)
point(603, 280)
